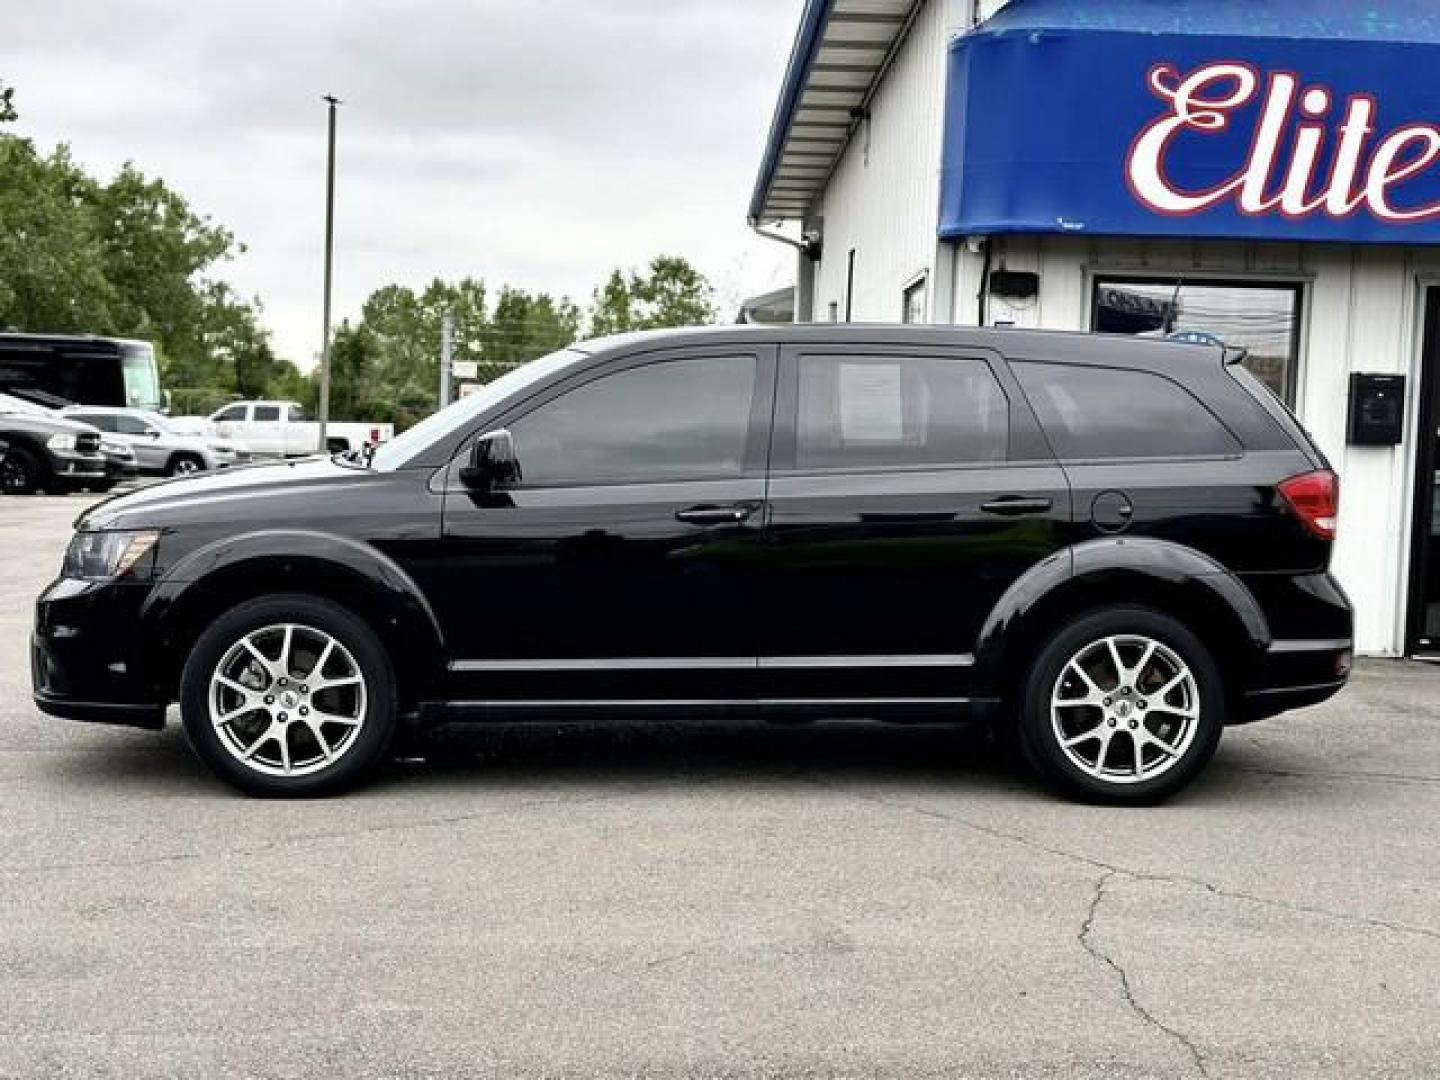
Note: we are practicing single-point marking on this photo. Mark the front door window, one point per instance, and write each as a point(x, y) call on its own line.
point(677, 420)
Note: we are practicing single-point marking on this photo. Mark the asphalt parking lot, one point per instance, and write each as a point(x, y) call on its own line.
point(671, 901)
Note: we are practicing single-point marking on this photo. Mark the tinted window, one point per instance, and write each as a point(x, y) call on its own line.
point(865, 412)
point(677, 420)
point(130, 425)
point(1093, 413)
point(233, 413)
point(267, 412)
point(296, 414)
point(103, 421)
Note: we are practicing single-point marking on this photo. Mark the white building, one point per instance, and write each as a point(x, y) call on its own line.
point(1262, 171)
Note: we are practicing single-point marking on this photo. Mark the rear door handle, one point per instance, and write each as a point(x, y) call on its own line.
point(1016, 506)
point(733, 514)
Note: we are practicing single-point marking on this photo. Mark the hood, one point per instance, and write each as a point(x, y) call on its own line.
point(224, 495)
point(35, 424)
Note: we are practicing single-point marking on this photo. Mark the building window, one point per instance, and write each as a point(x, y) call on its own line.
point(1263, 318)
point(913, 298)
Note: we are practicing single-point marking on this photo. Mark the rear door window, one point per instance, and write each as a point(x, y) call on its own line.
point(267, 412)
point(865, 412)
point(1102, 413)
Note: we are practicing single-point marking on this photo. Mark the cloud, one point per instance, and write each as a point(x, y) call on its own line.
point(535, 142)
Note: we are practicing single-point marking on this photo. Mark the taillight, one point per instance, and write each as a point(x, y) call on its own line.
point(1315, 498)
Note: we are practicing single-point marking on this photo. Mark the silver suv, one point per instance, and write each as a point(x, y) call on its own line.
point(159, 447)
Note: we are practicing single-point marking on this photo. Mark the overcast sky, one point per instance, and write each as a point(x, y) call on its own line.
point(535, 142)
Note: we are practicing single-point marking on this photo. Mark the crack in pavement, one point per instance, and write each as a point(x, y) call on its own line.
point(1087, 942)
point(1132, 872)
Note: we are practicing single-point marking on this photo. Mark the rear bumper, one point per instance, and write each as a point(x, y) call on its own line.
point(1312, 651)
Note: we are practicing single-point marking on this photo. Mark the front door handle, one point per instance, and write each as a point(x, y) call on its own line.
point(732, 514)
point(1016, 506)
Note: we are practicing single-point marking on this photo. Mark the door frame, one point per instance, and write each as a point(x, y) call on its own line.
point(1422, 489)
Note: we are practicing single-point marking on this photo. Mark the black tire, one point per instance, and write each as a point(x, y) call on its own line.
point(355, 761)
point(1195, 737)
point(184, 465)
point(21, 473)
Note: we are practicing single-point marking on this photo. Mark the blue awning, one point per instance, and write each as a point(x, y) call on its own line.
point(1283, 120)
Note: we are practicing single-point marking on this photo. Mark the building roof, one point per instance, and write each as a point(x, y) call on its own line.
point(841, 52)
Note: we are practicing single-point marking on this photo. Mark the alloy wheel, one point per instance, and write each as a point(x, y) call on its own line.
point(186, 467)
point(287, 700)
point(1125, 709)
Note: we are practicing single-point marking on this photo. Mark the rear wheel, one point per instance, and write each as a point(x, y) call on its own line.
point(1124, 705)
point(20, 473)
point(289, 695)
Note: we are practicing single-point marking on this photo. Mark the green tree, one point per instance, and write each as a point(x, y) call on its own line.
point(526, 327)
point(52, 264)
point(670, 293)
point(156, 251)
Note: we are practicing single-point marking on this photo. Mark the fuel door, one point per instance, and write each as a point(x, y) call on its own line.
point(1112, 511)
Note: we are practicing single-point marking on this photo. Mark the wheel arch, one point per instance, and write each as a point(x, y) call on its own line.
point(1144, 572)
point(216, 578)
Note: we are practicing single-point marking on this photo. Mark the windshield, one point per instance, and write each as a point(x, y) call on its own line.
point(398, 451)
point(156, 420)
point(142, 381)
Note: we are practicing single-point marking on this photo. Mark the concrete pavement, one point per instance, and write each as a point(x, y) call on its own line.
point(663, 900)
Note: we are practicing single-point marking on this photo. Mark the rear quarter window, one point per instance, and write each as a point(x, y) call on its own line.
point(1101, 413)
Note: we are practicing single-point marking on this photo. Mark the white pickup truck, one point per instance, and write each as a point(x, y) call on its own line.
point(281, 429)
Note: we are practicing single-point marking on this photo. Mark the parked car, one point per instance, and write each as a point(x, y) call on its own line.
point(120, 463)
point(1114, 547)
point(281, 429)
point(47, 453)
point(160, 449)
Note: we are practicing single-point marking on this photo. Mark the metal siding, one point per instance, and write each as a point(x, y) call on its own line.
point(887, 209)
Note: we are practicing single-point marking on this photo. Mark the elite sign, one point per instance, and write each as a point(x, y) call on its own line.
point(1196, 135)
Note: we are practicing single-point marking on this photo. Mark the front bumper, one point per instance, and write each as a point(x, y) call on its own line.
point(77, 467)
point(86, 660)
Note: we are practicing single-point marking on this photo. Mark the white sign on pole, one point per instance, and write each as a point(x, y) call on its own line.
point(465, 369)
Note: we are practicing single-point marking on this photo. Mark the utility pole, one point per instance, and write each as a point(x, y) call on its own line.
point(332, 101)
point(447, 349)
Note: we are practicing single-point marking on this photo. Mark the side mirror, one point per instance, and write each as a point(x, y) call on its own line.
point(493, 463)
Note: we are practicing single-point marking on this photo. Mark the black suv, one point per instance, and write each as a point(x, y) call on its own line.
point(1115, 546)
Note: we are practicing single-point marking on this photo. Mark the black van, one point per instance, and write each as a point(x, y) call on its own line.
point(1117, 546)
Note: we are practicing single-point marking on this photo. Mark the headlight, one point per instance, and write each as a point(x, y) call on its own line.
point(61, 442)
point(103, 556)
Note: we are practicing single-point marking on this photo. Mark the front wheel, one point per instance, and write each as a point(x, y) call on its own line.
point(289, 695)
point(20, 473)
point(184, 465)
point(1123, 705)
